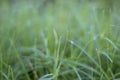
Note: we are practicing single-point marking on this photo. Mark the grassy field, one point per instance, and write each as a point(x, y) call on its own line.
point(62, 40)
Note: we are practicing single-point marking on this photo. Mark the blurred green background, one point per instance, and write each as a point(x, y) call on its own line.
point(59, 40)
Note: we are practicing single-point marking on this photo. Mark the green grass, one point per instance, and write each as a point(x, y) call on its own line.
point(65, 40)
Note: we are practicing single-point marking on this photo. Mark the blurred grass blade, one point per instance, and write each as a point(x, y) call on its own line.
point(47, 77)
point(111, 42)
point(107, 56)
point(4, 75)
point(79, 78)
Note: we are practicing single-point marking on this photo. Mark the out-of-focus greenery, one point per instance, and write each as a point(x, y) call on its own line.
point(59, 40)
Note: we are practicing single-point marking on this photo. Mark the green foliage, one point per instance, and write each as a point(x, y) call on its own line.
point(60, 40)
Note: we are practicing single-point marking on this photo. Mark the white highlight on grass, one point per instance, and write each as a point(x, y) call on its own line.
point(71, 41)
